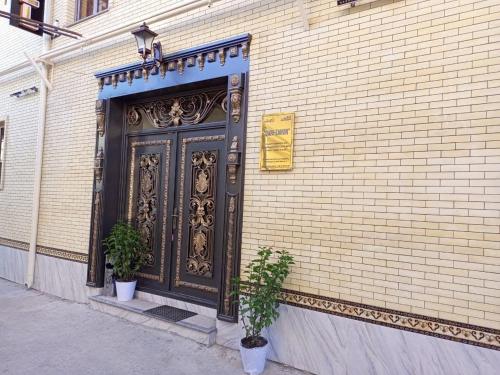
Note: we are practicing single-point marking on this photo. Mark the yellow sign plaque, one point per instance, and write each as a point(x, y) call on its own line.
point(276, 149)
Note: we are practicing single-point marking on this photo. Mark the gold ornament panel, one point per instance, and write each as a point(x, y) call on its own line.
point(202, 213)
point(177, 111)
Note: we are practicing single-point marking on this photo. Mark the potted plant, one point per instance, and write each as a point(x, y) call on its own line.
point(258, 304)
point(127, 253)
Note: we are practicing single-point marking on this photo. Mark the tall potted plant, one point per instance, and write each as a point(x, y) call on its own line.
point(127, 253)
point(258, 304)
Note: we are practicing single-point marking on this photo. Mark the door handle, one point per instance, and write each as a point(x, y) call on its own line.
point(175, 217)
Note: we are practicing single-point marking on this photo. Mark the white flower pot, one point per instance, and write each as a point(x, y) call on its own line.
point(125, 290)
point(254, 360)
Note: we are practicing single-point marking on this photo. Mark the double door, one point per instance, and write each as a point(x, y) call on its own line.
point(175, 198)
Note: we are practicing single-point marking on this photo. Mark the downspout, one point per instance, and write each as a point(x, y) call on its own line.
point(46, 43)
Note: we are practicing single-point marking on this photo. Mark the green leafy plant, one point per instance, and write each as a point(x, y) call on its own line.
point(126, 250)
point(259, 293)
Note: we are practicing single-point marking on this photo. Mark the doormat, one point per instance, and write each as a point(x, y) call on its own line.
point(169, 313)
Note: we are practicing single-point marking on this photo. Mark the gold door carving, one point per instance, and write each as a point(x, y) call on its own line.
point(147, 202)
point(146, 205)
point(202, 213)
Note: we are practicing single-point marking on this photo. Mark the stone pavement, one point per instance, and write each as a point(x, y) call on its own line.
point(42, 334)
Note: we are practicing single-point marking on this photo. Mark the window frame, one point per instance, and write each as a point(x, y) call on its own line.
point(95, 11)
point(4, 123)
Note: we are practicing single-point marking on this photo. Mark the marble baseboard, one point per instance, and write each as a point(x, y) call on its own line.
point(62, 278)
point(13, 264)
point(59, 277)
point(326, 344)
point(161, 300)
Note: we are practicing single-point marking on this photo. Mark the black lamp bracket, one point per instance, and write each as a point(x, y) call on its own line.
point(157, 53)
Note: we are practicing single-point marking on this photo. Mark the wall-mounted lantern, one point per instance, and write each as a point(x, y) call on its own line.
point(144, 38)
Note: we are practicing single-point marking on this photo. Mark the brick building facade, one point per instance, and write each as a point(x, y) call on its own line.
point(392, 208)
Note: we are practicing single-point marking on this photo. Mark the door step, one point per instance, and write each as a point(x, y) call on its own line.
point(184, 323)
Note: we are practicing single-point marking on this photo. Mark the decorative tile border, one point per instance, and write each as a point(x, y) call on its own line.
point(62, 254)
point(15, 244)
point(446, 329)
point(49, 251)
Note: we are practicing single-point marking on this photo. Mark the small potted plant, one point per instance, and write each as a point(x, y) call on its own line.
point(258, 304)
point(127, 253)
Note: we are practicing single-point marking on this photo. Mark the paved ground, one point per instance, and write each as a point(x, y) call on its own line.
point(41, 334)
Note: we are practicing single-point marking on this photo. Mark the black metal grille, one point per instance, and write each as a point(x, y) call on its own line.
point(169, 313)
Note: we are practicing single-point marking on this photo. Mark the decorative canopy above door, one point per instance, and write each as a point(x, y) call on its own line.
point(205, 62)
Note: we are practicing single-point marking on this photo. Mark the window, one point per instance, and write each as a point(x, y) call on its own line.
point(2, 152)
point(87, 8)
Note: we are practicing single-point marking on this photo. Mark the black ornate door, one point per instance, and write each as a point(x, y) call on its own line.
point(176, 191)
point(151, 162)
point(200, 214)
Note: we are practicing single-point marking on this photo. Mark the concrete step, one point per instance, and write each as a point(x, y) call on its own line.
point(199, 328)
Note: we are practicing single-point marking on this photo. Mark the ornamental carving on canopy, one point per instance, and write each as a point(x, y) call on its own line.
point(177, 111)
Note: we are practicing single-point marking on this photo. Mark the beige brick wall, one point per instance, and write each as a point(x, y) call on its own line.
point(22, 118)
point(394, 199)
point(17, 193)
